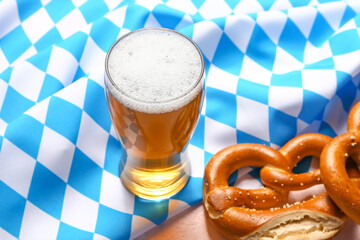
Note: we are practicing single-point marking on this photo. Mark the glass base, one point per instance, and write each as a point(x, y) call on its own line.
point(155, 183)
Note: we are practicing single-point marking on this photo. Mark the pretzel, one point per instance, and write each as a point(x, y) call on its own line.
point(256, 214)
point(310, 144)
point(344, 190)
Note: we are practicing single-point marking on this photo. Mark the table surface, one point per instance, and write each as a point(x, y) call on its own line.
point(192, 222)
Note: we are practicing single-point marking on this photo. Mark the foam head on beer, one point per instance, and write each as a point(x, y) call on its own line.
point(154, 71)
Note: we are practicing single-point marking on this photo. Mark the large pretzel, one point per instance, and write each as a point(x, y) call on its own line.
point(345, 191)
point(260, 213)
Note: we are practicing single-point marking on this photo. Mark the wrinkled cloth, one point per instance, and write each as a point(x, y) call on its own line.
point(274, 70)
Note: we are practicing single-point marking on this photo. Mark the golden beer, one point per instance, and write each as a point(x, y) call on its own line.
point(154, 86)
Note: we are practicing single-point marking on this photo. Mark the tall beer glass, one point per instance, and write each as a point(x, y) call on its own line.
point(154, 79)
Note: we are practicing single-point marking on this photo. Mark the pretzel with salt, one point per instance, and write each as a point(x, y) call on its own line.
point(310, 144)
point(344, 190)
point(261, 213)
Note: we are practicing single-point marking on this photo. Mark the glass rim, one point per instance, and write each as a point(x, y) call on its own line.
point(193, 87)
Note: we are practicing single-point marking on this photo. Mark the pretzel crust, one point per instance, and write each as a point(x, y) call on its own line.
point(239, 213)
point(345, 191)
point(217, 173)
point(309, 144)
point(245, 223)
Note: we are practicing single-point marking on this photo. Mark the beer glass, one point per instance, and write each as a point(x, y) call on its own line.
point(154, 85)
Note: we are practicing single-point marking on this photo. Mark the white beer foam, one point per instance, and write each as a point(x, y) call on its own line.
point(154, 71)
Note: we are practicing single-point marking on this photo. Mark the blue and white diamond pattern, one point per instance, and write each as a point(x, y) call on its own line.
point(275, 69)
